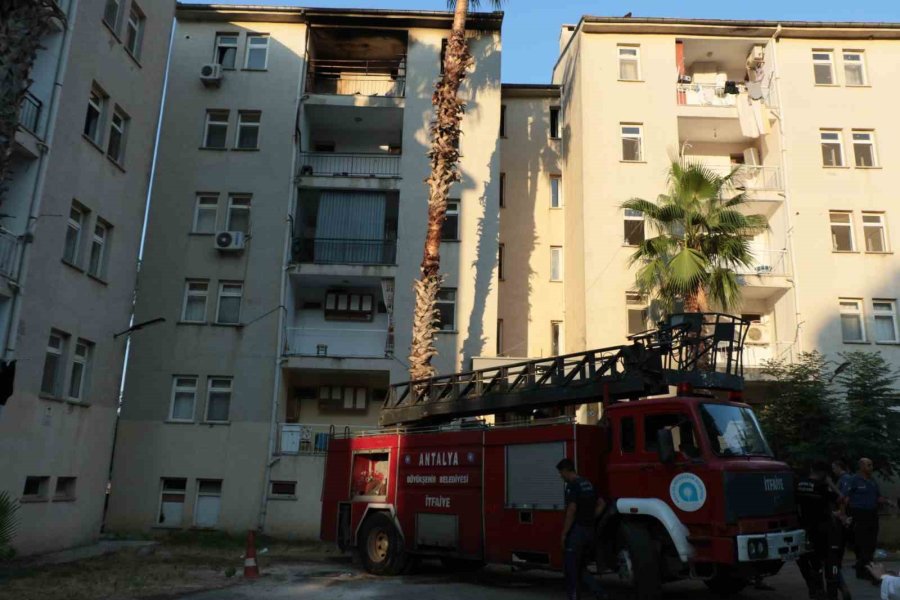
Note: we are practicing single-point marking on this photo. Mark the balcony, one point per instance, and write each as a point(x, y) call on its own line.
point(336, 251)
point(312, 439)
point(30, 112)
point(334, 342)
point(334, 164)
point(348, 77)
point(751, 178)
point(9, 252)
point(768, 262)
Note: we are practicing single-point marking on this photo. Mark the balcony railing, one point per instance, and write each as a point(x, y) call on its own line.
point(334, 342)
point(331, 164)
point(751, 177)
point(705, 94)
point(312, 438)
point(30, 112)
point(336, 251)
point(768, 262)
point(9, 251)
point(384, 77)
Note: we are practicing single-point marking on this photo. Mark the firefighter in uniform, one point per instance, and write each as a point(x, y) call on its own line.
point(864, 498)
point(820, 517)
point(582, 507)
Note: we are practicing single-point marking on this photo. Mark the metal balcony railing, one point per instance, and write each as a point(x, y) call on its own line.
point(713, 94)
point(333, 164)
point(337, 251)
point(768, 262)
point(751, 177)
point(336, 342)
point(348, 77)
point(9, 252)
point(30, 112)
point(312, 439)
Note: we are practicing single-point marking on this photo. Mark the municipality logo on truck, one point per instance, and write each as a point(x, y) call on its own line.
point(688, 492)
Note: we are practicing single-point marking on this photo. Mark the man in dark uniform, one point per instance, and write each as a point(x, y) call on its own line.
point(863, 499)
point(818, 506)
point(582, 507)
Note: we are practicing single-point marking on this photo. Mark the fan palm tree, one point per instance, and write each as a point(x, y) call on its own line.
point(8, 524)
point(703, 237)
point(444, 155)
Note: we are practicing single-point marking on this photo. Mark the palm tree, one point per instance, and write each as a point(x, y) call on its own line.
point(702, 238)
point(8, 524)
point(444, 155)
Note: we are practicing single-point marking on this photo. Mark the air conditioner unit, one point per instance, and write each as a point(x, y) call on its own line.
point(756, 57)
point(757, 333)
point(211, 75)
point(229, 241)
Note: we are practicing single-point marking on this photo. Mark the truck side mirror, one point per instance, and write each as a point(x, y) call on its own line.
point(666, 446)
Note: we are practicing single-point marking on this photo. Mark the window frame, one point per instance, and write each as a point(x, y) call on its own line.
point(623, 59)
point(43, 482)
point(274, 494)
point(333, 312)
point(636, 302)
point(848, 224)
point(556, 250)
point(188, 293)
point(502, 190)
point(631, 217)
point(860, 316)
point(870, 143)
point(217, 44)
point(452, 303)
point(556, 191)
point(201, 494)
point(892, 313)
point(211, 389)
point(133, 47)
point(238, 203)
point(502, 120)
point(556, 337)
point(163, 491)
point(210, 112)
point(829, 63)
point(114, 26)
point(176, 388)
point(840, 144)
point(249, 47)
point(59, 352)
point(78, 227)
point(64, 490)
point(223, 293)
point(84, 362)
point(639, 136)
point(198, 202)
point(500, 248)
point(455, 213)
point(862, 67)
point(554, 123)
point(882, 225)
point(101, 242)
point(119, 132)
point(241, 125)
point(97, 100)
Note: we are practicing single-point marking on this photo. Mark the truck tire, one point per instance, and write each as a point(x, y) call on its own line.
point(726, 584)
point(380, 546)
point(638, 561)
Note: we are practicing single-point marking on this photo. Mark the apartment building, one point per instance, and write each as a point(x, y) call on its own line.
point(286, 228)
point(69, 236)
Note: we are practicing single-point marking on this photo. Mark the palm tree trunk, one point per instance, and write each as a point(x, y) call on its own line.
point(444, 155)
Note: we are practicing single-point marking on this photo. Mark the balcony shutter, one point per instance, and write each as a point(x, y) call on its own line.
point(350, 227)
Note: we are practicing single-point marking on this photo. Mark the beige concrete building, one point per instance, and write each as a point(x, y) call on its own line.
point(69, 237)
point(286, 227)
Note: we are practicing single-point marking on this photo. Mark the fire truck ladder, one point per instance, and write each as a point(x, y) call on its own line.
point(701, 349)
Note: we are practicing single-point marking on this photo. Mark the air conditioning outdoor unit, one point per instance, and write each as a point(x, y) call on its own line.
point(211, 75)
point(757, 334)
point(229, 241)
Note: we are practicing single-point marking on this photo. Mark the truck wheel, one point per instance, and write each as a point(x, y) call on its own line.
point(726, 584)
point(638, 562)
point(380, 546)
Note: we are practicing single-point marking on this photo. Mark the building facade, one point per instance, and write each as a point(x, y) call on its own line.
point(69, 238)
point(286, 227)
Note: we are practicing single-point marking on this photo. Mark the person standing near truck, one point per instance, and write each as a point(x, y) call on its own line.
point(813, 505)
point(582, 507)
point(863, 499)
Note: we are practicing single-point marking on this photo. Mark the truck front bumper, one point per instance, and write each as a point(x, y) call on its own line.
point(784, 545)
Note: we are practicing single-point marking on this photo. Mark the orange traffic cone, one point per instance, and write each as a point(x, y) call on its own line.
point(251, 569)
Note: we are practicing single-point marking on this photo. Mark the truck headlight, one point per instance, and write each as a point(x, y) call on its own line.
point(757, 548)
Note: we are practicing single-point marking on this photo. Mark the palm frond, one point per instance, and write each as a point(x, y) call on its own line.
point(8, 519)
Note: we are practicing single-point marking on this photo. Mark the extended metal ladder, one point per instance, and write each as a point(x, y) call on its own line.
point(702, 349)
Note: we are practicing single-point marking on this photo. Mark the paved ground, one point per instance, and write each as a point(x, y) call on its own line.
point(338, 580)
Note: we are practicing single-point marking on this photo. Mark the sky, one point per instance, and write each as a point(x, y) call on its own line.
point(531, 29)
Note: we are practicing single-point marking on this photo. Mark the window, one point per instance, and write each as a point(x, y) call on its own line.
point(450, 227)
point(627, 434)
point(500, 262)
point(832, 148)
point(111, 14)
point(852, 328)
point(205, 213)
point(118, 127)
point(446, 305)
point(216, 132)
point(96, 104)
point(555, 337)
point(636, 305)
point(554, 122)
point(874, 232)
point(81, 362)
point(65, 488)
point(336, 397)
point(226, 49)
point(854, 68)
point(283, 488)
point(885, 312)
point(248, 130)
point(209, 502)
point(349, 306)
point(556, 267)
point(218, 399)
point(171, 502)
point(184, 396)
point(555, 193)
point(733, 431)
point(134, 33)
point(502, 190)
point(194, 309)
point(629, 63)
point(36, 488)
point(502, 120)
point(257, 51)
point(238, 213)
point(370, 474)
point(229, 310)
point(841, 232)
point(864, 148)
point(682, 433)
point(97, 263)
point(634, 227)
point(499, 349)
point(54, 364)
point(631, 143)
point(823, 67)
point(72, 248)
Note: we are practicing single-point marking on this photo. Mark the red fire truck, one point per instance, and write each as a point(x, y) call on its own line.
point(694, 489)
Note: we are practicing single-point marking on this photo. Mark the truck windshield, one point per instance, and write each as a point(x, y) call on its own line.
point(733, 431)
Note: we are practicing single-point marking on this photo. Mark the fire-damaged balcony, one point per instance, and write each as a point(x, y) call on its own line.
point(356, 62)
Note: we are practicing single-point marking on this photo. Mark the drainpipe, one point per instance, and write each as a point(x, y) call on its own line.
point(34, 210)
point(785, 179)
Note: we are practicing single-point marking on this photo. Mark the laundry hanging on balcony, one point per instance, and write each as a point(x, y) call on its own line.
point(350, 227)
